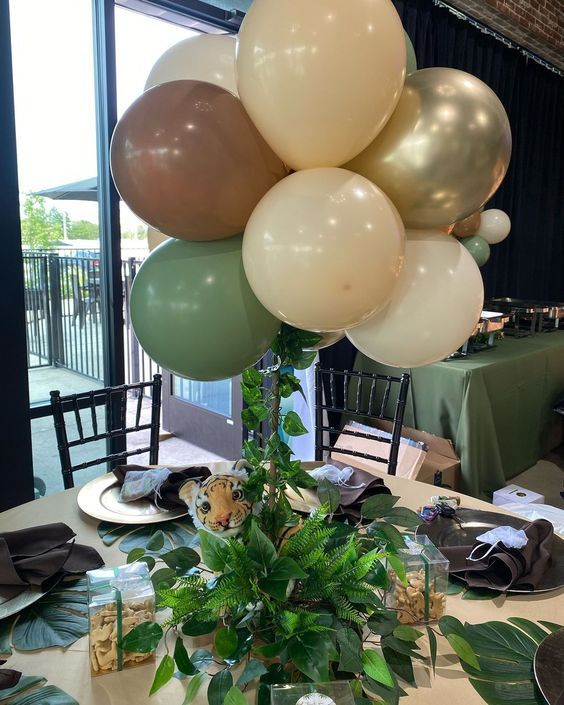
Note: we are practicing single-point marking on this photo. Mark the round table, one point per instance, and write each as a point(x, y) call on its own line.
point(70, 669)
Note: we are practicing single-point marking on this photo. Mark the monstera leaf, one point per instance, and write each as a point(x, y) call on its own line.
point(57, 619)
point(30, 691)
point(176, 534)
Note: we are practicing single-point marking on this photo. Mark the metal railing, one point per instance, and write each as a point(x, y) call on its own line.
point(138, 365)
point(64, 312)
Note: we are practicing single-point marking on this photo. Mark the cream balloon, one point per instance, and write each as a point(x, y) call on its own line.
point(323, 249)
point(327, 339)
point(434, 308)
point(155, 238)
point(320, 78)
point(445, 150)
point(495, 226)
point(206, 57)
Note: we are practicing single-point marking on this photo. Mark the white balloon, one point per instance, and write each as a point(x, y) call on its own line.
point(494, 226)
point(206, 57)
point(323, 249)
point(434, 308)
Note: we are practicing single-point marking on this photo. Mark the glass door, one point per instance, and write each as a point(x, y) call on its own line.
point(56, 141)
point(204, 417)
point(206, 414)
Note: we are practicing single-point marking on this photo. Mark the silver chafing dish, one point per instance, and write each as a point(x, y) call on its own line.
point(487, 330)
point(528, 316)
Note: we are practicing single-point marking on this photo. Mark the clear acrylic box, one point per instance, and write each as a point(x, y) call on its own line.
point(423, 598)
point(333, 693)
point(119, 599)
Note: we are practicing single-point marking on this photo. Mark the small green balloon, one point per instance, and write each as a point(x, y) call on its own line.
point(478, 248)
point(194, 312)
point(411, 59)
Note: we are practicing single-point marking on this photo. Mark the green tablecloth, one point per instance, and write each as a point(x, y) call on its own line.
point(496, 406)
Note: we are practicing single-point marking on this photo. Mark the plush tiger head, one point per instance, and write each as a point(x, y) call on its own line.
point(218, 503)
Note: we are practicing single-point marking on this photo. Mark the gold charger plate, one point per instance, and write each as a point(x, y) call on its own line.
point(99, 498)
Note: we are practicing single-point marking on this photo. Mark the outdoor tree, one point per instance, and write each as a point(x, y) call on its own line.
point(42, 228)
point(83, 230)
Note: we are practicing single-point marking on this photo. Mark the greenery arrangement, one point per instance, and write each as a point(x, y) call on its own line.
point(289, 599)
point(302, 600)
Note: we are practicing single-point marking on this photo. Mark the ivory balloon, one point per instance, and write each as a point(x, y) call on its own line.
point(206, 57)
point(495, 226)
point(323, 249)
point(155, 238)
point(478, 248)
point(445, 150)
point(434, 308)
point(320, 78)
point(468, 226)
point(187, 160)
point(194, 313)
point(327, 339)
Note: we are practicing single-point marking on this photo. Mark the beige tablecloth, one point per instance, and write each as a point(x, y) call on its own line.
point(69, 669)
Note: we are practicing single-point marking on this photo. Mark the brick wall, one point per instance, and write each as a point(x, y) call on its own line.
point(537, 25)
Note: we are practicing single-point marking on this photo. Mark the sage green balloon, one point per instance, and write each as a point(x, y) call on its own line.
point(411, 58)
point(194, 313)
point(478, 248)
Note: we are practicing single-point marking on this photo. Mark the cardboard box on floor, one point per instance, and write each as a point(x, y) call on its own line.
point(413, 463)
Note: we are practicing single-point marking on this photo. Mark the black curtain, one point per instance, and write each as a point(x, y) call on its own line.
point(530, 262)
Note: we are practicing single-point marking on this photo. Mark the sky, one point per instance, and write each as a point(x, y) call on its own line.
point(52, 56)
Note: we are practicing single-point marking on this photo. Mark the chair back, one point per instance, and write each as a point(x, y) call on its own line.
point(341, 395)
point(116, 424)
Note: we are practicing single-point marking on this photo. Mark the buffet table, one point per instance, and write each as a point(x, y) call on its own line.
point(70, 670)
point(496, 406)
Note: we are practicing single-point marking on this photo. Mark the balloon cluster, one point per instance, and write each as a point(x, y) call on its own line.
point(480, 230)
point(331, 92)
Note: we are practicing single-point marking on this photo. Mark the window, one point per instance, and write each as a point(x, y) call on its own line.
point(56, 147)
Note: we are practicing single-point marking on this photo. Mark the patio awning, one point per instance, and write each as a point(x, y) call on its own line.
point(85, 190)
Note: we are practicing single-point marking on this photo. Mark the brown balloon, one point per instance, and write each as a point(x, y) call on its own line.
point(187, 159)
point(468, 226)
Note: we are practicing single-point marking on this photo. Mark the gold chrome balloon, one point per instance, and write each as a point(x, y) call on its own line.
point(445, 150)
point(468, 226)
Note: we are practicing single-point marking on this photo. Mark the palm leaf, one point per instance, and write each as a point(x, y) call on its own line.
point(57, 619)
point(176, 534)
point(505, 653)
point(49, 695)
point(26, 692)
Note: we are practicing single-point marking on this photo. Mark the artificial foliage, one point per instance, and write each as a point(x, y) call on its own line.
point(296, 598)
point(291, 598)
